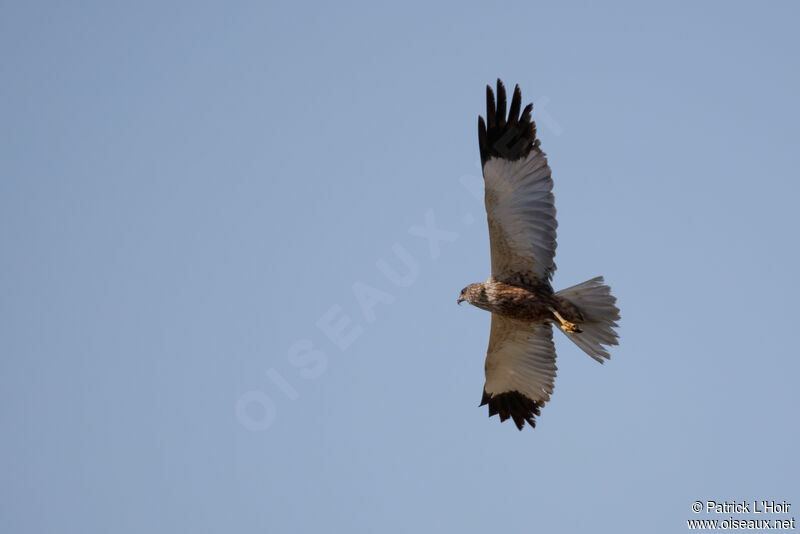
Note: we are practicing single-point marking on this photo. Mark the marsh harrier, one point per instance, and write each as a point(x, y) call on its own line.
point(521, 359)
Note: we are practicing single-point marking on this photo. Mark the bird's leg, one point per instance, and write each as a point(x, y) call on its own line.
point(566, 326)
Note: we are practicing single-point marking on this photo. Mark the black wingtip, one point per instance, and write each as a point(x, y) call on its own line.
point(500, 121)
point(513, 405)
point(516, 102)
point(490, 107)
point(506, 137)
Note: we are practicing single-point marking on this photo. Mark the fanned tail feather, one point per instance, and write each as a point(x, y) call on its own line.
point(595, 302)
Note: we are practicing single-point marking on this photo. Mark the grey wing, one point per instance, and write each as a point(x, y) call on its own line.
point(522, 218)
point(520, 369)
point(518, 185)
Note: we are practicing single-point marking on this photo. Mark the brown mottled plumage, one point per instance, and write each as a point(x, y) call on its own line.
point(520, 361)
point(534, 304)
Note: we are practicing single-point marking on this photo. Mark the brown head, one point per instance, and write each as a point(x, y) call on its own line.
point(475, 294)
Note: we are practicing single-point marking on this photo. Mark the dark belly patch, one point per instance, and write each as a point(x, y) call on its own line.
point(533, 305)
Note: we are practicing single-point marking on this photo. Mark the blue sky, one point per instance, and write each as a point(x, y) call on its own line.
point(195, 198)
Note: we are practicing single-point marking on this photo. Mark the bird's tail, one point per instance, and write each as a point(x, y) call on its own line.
point(595, 302)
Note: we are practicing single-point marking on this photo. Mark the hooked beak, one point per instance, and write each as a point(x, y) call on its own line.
point(460, 300)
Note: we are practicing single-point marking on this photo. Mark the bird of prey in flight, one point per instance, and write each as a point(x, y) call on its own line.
point(521, 359)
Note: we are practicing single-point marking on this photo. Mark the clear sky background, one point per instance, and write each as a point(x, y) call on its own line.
point(189, 190)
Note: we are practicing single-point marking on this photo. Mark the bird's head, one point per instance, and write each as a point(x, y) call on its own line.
point(475, 294)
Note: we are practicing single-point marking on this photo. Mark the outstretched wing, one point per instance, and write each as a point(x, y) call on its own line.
point(519, 201)
point(520, 369)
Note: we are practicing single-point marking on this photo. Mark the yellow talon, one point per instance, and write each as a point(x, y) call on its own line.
point(566, 326)
point(570, 328)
